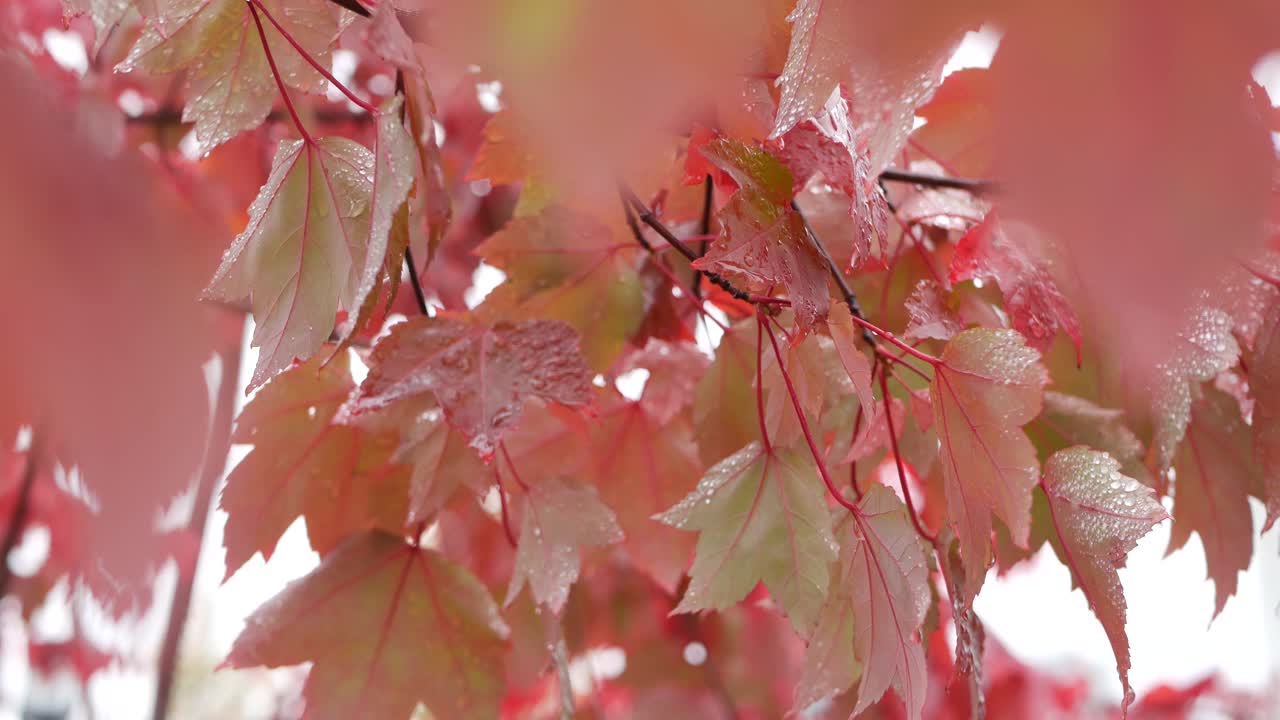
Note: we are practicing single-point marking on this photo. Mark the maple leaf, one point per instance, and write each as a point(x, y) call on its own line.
point(568, 266)
point(105, 15)
point(1036, 306)
point(947, 209)
point(1264, 380)
point(818, 376)
point(852, 357)
point(1205, 348)
point(480, 374)
point(673, 371)
point(560, 517)
point(303, 253)
point(762, 238)
point(386, 625)
point(336, 476)
point(761, 518)
point(830, 146)
point(1099, 515)
point(442, 461)
point(986, 387)
point(389, 185)
point(1215, 474)
point(1077, 421)
point(864, 48)
point(870, 621)
point(724, 412)
point(650, 464)
point(929, 317)
point(230, 87)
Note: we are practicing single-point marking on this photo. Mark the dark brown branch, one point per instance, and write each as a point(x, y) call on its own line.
point(647, 217)
point(850, 299)
point(415, 281)
point(21, 509)
point(704, 229)
point(352, 5)
point(215, 459)
point(171, 116)
point(977, 186)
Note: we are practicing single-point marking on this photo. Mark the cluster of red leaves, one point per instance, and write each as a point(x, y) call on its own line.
point(792, 511)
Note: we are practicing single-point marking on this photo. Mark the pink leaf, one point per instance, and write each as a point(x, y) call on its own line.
point(988, 385)
point(480, 374)
point(1215, 474)
point(1099, 515)
point(763, 238)
point(874, 611)
point(1032, 298)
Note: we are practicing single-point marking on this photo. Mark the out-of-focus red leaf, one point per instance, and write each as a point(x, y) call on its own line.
point(887, 56)
point(98, 258)
point(1128, 171)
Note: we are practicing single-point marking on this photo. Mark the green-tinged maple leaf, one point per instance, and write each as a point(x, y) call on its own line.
point(1203, 349)
point(386, 625)
point(567, 266)
point(761, 517)
point(302, 464)
point(986, 387)
point(560, 518)
point(1099, 516)
point(1215, 474)
point(105, 15)
point(301, 256)
point(869, 625)
point(480, 374)
point(1264, 380)
point(763, 239)
point(230, 88)
point(649, 465)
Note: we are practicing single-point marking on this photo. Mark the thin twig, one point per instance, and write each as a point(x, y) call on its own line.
point(804, 424)
point(502, 503)
point(215, 460)
point(352, 5)
point(275, 72)
point(324, 72)
point(704, 229)
point(415, 281)
point(648, 218)
point(21, 509)
point(173, 116)
point(977, 186)
point(897, 459)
